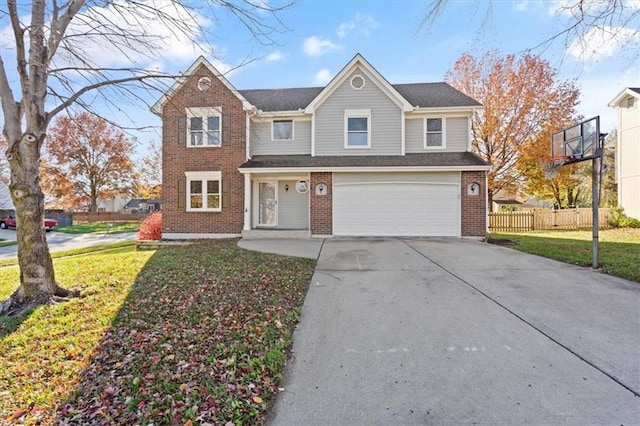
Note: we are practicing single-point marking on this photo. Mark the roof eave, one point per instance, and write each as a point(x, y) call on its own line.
point(430, 110)
point(624, 92)
point(245, 170)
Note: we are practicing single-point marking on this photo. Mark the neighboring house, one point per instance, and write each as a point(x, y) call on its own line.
point(510, 201)
point(141, 205)
point(628, 150)
point(114, 204)
point(359, 156)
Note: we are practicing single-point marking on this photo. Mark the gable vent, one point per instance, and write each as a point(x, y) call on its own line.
point(357, 82)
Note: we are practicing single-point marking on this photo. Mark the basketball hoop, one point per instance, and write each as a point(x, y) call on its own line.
point(551, 165)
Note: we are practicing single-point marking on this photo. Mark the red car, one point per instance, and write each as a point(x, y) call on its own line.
point(10, 222)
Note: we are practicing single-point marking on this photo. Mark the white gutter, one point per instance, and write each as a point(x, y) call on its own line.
point(364, 169)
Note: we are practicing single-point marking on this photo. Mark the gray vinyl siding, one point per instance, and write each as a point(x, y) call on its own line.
point(456, 133)
point(261, 143)
point(385, 126)
point(293, 207)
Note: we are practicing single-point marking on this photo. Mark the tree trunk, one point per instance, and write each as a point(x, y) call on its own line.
point(37, 278)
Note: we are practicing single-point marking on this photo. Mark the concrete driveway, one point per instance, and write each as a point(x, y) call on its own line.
point(59, 241)
point(447, 331)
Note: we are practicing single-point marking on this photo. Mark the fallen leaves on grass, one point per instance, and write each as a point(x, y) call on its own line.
point(201, 338)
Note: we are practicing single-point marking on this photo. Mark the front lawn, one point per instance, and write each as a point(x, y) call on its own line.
point(193, 334)
point(618, 249)
point(100, 227)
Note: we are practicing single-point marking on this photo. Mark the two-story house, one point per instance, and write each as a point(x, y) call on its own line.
point(358, 157)
point(628, 150)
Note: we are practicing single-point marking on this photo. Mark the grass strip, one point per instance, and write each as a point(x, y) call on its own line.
point(618, 249)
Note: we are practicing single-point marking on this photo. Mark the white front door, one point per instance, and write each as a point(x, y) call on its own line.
point(267, 203)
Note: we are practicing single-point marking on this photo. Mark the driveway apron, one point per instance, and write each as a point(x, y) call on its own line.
point(446, 331)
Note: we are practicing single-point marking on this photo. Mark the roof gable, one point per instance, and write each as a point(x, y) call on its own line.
point(627, 91)
point(201, 61)
point(358, 62)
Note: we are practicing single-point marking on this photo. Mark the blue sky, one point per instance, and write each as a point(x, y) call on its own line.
point(324, 35)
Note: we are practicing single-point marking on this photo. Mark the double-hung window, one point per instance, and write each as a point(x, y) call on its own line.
point(434, 137)
point(282, 130)
point(204, 191)
point(204, 127)
point(357, 125)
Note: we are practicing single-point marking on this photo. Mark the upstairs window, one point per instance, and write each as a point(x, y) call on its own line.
point(631, 102)
point(357, 129)
point(434, 133)
point(204, 127)
point(282, 130)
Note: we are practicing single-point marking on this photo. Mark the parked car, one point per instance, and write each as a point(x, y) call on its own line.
point(10, 222)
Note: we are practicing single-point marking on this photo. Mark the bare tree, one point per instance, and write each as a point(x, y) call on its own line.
point(60, 50)
point(584, 22)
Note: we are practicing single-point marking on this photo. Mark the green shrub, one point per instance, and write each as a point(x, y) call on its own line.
point(629, 222)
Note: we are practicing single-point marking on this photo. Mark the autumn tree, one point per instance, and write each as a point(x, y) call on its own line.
point(520, 96)
point(90, 159)
point(147, 179)
point(61, 57)
point(566, 188)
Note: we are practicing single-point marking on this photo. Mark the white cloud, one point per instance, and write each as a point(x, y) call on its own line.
point(601, 43)
point(316, 46)
point(275, 56)
point(362, 23)
point(523, 5)
point(322, 77)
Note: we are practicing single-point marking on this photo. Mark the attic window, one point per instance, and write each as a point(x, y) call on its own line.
point(631, 102)
point(357, 82)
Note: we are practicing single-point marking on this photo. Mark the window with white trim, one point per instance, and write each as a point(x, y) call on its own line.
point(204, 191)
point(434, 137)
point(204, 127)
point(357, 128)
point(282, 130)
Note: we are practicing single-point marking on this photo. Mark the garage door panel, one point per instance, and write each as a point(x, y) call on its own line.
point(396, 209)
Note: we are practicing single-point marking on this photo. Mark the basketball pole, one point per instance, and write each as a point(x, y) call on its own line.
point(596, 167)
point(594, 210)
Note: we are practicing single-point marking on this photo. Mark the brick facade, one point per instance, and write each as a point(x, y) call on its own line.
point(473, 207)
point(177, 159)
point(321, 210)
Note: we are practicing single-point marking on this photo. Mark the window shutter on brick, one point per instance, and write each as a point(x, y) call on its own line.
point(182, 131)
point(225, 193)
point(182, 189)
point(226, 134)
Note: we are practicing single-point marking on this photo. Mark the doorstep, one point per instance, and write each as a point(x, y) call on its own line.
point(293, 234)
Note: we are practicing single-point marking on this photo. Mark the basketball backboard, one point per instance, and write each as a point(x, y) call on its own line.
point(579, 142)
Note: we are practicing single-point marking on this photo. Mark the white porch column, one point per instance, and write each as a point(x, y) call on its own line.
point(247, 202)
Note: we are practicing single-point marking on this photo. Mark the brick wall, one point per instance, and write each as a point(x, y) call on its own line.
point(321, 205)
point(474, 207)
point(227, 158)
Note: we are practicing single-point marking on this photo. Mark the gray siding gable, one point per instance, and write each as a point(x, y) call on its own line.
point(385, 124)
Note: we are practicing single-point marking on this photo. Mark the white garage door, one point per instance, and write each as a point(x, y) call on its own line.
point(430, 207)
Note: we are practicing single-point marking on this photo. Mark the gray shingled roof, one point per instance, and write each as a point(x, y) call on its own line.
point(430, 159)
point(417, 94)
point(428, 95)
point(635, 89)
